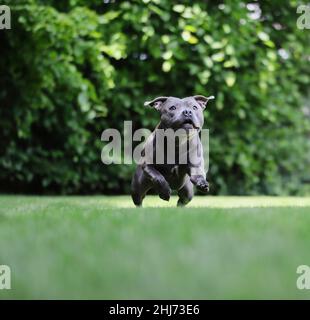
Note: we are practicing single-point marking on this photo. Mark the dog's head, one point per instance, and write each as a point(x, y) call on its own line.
point(176, 113)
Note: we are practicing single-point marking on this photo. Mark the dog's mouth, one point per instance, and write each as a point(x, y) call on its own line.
point(189, 124)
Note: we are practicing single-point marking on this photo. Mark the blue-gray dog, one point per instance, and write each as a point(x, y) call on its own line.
point(157, 169)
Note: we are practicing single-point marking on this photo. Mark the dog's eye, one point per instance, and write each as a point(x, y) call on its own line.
point(195, 107)
point(172, 108)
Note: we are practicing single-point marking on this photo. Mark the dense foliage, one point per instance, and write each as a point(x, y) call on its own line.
point(70, 69)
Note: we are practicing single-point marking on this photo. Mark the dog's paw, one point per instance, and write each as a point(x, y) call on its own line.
point(202, 185)
point(164, 191)
point(163, 188)
point(165, 195)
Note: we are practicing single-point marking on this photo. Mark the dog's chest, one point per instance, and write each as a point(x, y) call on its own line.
point(174, 174)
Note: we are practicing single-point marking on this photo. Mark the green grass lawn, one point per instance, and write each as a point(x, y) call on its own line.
point(103, 247)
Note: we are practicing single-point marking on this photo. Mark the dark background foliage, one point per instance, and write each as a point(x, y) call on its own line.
point(70, 69)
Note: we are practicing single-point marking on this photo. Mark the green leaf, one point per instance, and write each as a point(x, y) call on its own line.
point(230, 78)
point(167, 55)
point(178, 8)
point(263, 36)
point(83, 101)
point(218, 57)
point(167, 66)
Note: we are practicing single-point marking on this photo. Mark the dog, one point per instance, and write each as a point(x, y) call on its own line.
point(176, 115)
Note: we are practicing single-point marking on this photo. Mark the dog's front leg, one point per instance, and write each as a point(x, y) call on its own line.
point(198, 178)
point(159, 181)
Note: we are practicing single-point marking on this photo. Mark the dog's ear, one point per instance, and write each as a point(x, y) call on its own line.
point(202, 100)
point(156, 103)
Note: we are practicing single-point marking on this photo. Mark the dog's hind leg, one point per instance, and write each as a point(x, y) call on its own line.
point(186, 193)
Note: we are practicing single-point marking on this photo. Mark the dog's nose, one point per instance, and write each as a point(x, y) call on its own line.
point(187, 113)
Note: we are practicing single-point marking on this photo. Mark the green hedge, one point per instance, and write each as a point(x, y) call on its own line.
point(70, 69)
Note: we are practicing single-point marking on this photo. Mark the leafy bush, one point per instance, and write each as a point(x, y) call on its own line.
point(74, 68)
